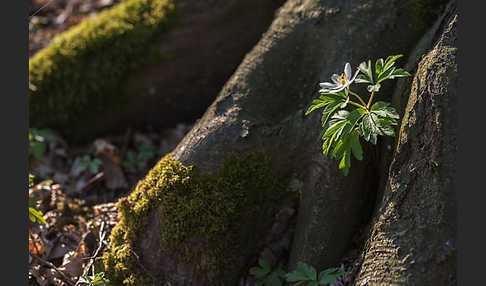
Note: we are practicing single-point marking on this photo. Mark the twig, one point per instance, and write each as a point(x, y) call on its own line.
point(66, 278)
point(93, 180)
point(102, 235)
point(44, 6)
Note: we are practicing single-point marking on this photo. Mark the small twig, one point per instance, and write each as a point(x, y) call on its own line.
point(102, 235)
point(96, 178)
point(44, 6)
point(66, 278)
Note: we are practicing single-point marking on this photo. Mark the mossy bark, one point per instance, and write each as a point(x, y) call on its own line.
point(262, 106)
point(413, 241)
point(177, 216)
point(142, 62)
point(78, 74)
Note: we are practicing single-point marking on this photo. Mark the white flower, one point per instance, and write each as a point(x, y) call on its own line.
point(340, 81)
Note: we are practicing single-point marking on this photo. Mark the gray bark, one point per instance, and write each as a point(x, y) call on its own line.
point(261, 108)
point(413, 241)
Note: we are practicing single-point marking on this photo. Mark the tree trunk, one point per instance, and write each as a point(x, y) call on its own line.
point(413, 241)
point(142, 62)
point(261, 108)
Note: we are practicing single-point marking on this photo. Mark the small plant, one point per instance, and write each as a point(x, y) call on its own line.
point(34, 214)
point(303, 274)
point(38, 141)
point(265, 275)
point(308, 274)
point(96, 279)
point(86, 163)
point(341, 128)
point(146, 151)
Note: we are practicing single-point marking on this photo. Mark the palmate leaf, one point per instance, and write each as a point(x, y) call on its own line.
point(383, 70)
point(262, 271)
point(303, 273)
point(328, 98)
point(390, 72)
point(342, 137)
point(367, 75)
point(379, 121)
point(328, 276)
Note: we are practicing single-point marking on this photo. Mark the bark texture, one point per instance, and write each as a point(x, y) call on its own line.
point(413, 241)
point(261, 108)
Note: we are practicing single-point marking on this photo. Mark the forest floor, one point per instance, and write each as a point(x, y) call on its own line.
point(76, 186)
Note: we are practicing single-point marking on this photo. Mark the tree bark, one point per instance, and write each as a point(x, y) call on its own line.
point(413, 241)
point(142, 76)
point(261, 108)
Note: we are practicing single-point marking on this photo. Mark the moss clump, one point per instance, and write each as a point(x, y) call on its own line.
point(79, 73)
point(224, 210)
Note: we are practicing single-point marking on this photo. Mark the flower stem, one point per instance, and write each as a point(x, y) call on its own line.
point(359, 98)
point(357, 104)
point(371, 99)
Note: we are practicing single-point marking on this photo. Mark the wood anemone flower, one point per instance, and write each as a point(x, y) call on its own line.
point(340, 82)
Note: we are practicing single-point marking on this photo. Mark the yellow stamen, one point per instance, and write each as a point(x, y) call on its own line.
point(342, 78)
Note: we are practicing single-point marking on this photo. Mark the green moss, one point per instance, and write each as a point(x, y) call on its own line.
point(79, 73)
point(224, 211)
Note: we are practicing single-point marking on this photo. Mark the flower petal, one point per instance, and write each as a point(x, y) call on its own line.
point(334, 78)
point(328, 85)
point(340, 88)
point(354, 77)
point(347, 71)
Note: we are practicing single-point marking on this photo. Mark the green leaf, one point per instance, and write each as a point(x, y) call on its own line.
point(303, 272)
point(369, 128)
point(37, 149)
point(385, 74)
point(384, 109)
point(273, 280)
point(258, 272)
point(33, 202)
point(390, 61)
point(329, 276)
point(36, 216)
point(378, 66)
point(265, 265)
point(399, 73)
point(361, 78)
point(345, 163)
point(316, 103)
point(335, 101)
point(365, 68)
point(380, 121)
point(356, 146)
point(295, 276)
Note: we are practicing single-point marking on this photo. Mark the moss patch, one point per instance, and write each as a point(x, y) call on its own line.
point(225, 211)
point(80, 72)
